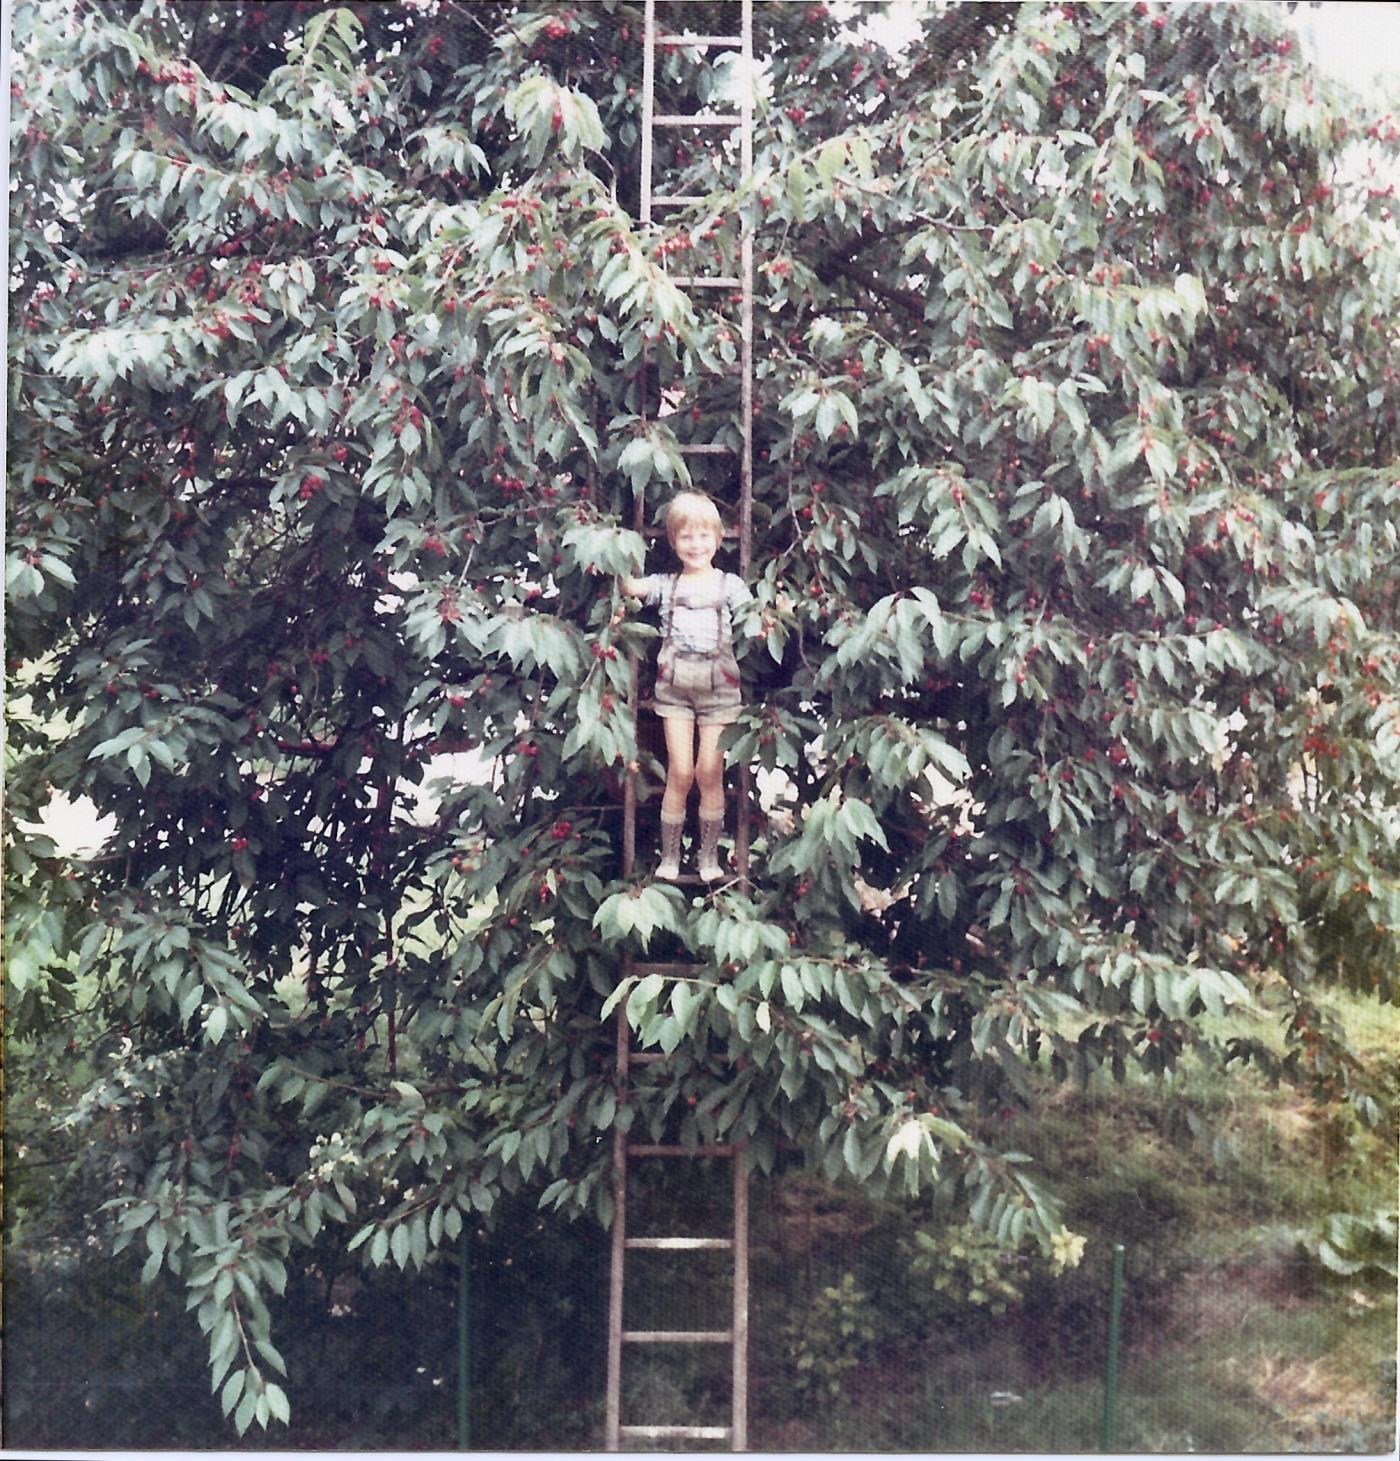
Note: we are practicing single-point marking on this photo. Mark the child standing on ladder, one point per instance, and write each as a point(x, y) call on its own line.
point(697, 676)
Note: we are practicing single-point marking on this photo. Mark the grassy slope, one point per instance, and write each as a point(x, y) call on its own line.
point(1234, 1338)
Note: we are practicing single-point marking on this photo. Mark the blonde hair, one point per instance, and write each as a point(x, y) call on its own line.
point(692, 508)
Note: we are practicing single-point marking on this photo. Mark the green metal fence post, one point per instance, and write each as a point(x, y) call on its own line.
point(1110, 1383)
point(463, 1353)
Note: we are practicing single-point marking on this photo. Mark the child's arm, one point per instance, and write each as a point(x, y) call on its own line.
point(634, 587)
point(739, 599)
point(736, 592)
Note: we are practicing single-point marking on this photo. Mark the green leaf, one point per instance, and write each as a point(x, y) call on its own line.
point(243, 1416)
point(399, 1245)
point(797, 189)
point(233, 1388)
point(831, 159)
point(1040, 399)
point(277, 1403)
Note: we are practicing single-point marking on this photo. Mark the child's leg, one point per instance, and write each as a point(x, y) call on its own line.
point(680, 764)
point(710, 774)
point(680, 772)
point(709, 771)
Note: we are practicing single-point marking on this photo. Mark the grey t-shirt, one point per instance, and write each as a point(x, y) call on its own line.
point(703, 617)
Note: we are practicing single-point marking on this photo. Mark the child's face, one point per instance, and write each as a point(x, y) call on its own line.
point(696, 544)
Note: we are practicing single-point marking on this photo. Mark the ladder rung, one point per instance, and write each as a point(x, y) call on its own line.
point(652, 533)
point(680, 1244)
point(645, 1057)
point(697, 119)
point(706, 281)
point(678, 1336)
point(705, 449)
point(678, 1432)
point(683, 40)
point(672, 968)
point(676, 200)
point(669, 1149)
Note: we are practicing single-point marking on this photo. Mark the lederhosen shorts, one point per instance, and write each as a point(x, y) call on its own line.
point(698, 685)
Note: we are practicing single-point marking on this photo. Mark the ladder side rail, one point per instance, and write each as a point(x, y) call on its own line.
point(739, 1325)
point(746, 121)
point(629, 785)
point(746, 110)
point(612, 1424)
point(648, 103)
point(613, 1418)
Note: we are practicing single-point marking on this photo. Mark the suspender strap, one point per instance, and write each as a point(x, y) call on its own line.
point(671, 612)
point(671, 609)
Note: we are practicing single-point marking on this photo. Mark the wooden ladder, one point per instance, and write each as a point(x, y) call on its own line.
point(625, 1150)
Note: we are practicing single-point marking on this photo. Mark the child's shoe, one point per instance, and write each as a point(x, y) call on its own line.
point(669, 867)
point(709, 867)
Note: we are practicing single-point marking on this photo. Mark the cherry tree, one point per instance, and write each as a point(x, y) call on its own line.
point(1073, 664)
